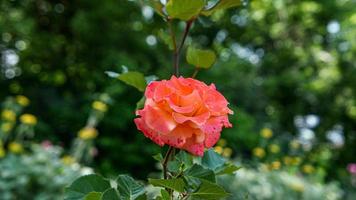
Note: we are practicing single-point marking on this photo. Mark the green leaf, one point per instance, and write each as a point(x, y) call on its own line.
point(176, 184)
point(184, 9)
point(165, 195)
point(200, 58)
point(198, 171)
point(158, 157)
point(84, 185)
point(228, 168)
point(93, 196)
point(209, 191)
point(157, 6)
point(166, 38)
point(141, 103)
point(110, 194)
point(173, 166)
point(129, 188)
point(135, 79)
point(222, 4)
point(185, 158)
point(212, 160)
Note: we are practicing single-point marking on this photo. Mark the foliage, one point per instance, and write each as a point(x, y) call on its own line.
point(260, 184)
point(40, 175)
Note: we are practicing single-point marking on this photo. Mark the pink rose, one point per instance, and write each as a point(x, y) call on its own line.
point(184, 113)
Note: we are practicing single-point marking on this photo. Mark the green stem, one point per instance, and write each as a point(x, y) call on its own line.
point(165, 162)
point(195, 72)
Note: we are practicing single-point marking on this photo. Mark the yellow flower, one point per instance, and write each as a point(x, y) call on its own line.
point(218, 149)
point(287, 160)
point(296, 161)
point(88, 133)
point(2, 152)
point(15, 147)
point(294, 144)
point(308, 169)
point(28, 119)
point(68, 160)
point(275, 165)
point(227, 152)
point(266, 133)
point(222, 142)
point(274, 148)
point(259, 152)
point(6, 127)
point(297, 186)
point(22, 100)
point(8, 115)
point(100, 106)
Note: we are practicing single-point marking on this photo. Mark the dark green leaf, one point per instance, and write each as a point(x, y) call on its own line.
point(81, 187)
point(212, 160)
point(222, 4)
point(173, 166)
point(166, 38)
point(174, 184)
point(200, 58)
point(184, 9)
point(129, 188)
point(209, 191)
point(198, 171)
point(185, 158)
point(110, 194)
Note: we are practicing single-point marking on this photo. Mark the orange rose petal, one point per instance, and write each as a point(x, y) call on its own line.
point(158, 119)
point(153, 135)
point(199, 120)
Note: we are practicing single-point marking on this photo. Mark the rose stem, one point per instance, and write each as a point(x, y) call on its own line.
point(176, 51)
point(165, 161)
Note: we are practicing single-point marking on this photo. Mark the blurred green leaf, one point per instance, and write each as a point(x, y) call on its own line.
point(184, 9)
point(200, 58)
point(135, 79)
point(93, 196)
point(222, 4)
point(84, 185)
point(176, 184)
point(185, 158)
point(141, 103)
point(209, 191)
point(129, 188)
point(157, 6)
point(166, 38)
point(165, 195)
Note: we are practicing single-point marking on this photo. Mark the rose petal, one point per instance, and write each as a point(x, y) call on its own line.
point(153, 135)
point(157, 119)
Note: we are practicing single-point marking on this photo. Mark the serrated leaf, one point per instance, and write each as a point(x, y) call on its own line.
point(227, 168)
point(173, 166)
point(184, 9)
point(209, 191)
point(135, 79)
point(93, 196)
point(185, 158)
point(212, 160)
point(222, 4)
point(129, 188)
point(200, 58)
point(165, 195)
point(110, 194)
point(198, 171)
point(176, 184)
point(85, 185)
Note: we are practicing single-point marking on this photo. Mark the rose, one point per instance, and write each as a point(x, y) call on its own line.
point(184, 113)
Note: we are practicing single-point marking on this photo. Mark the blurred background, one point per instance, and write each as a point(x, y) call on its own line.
point(288, 69)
